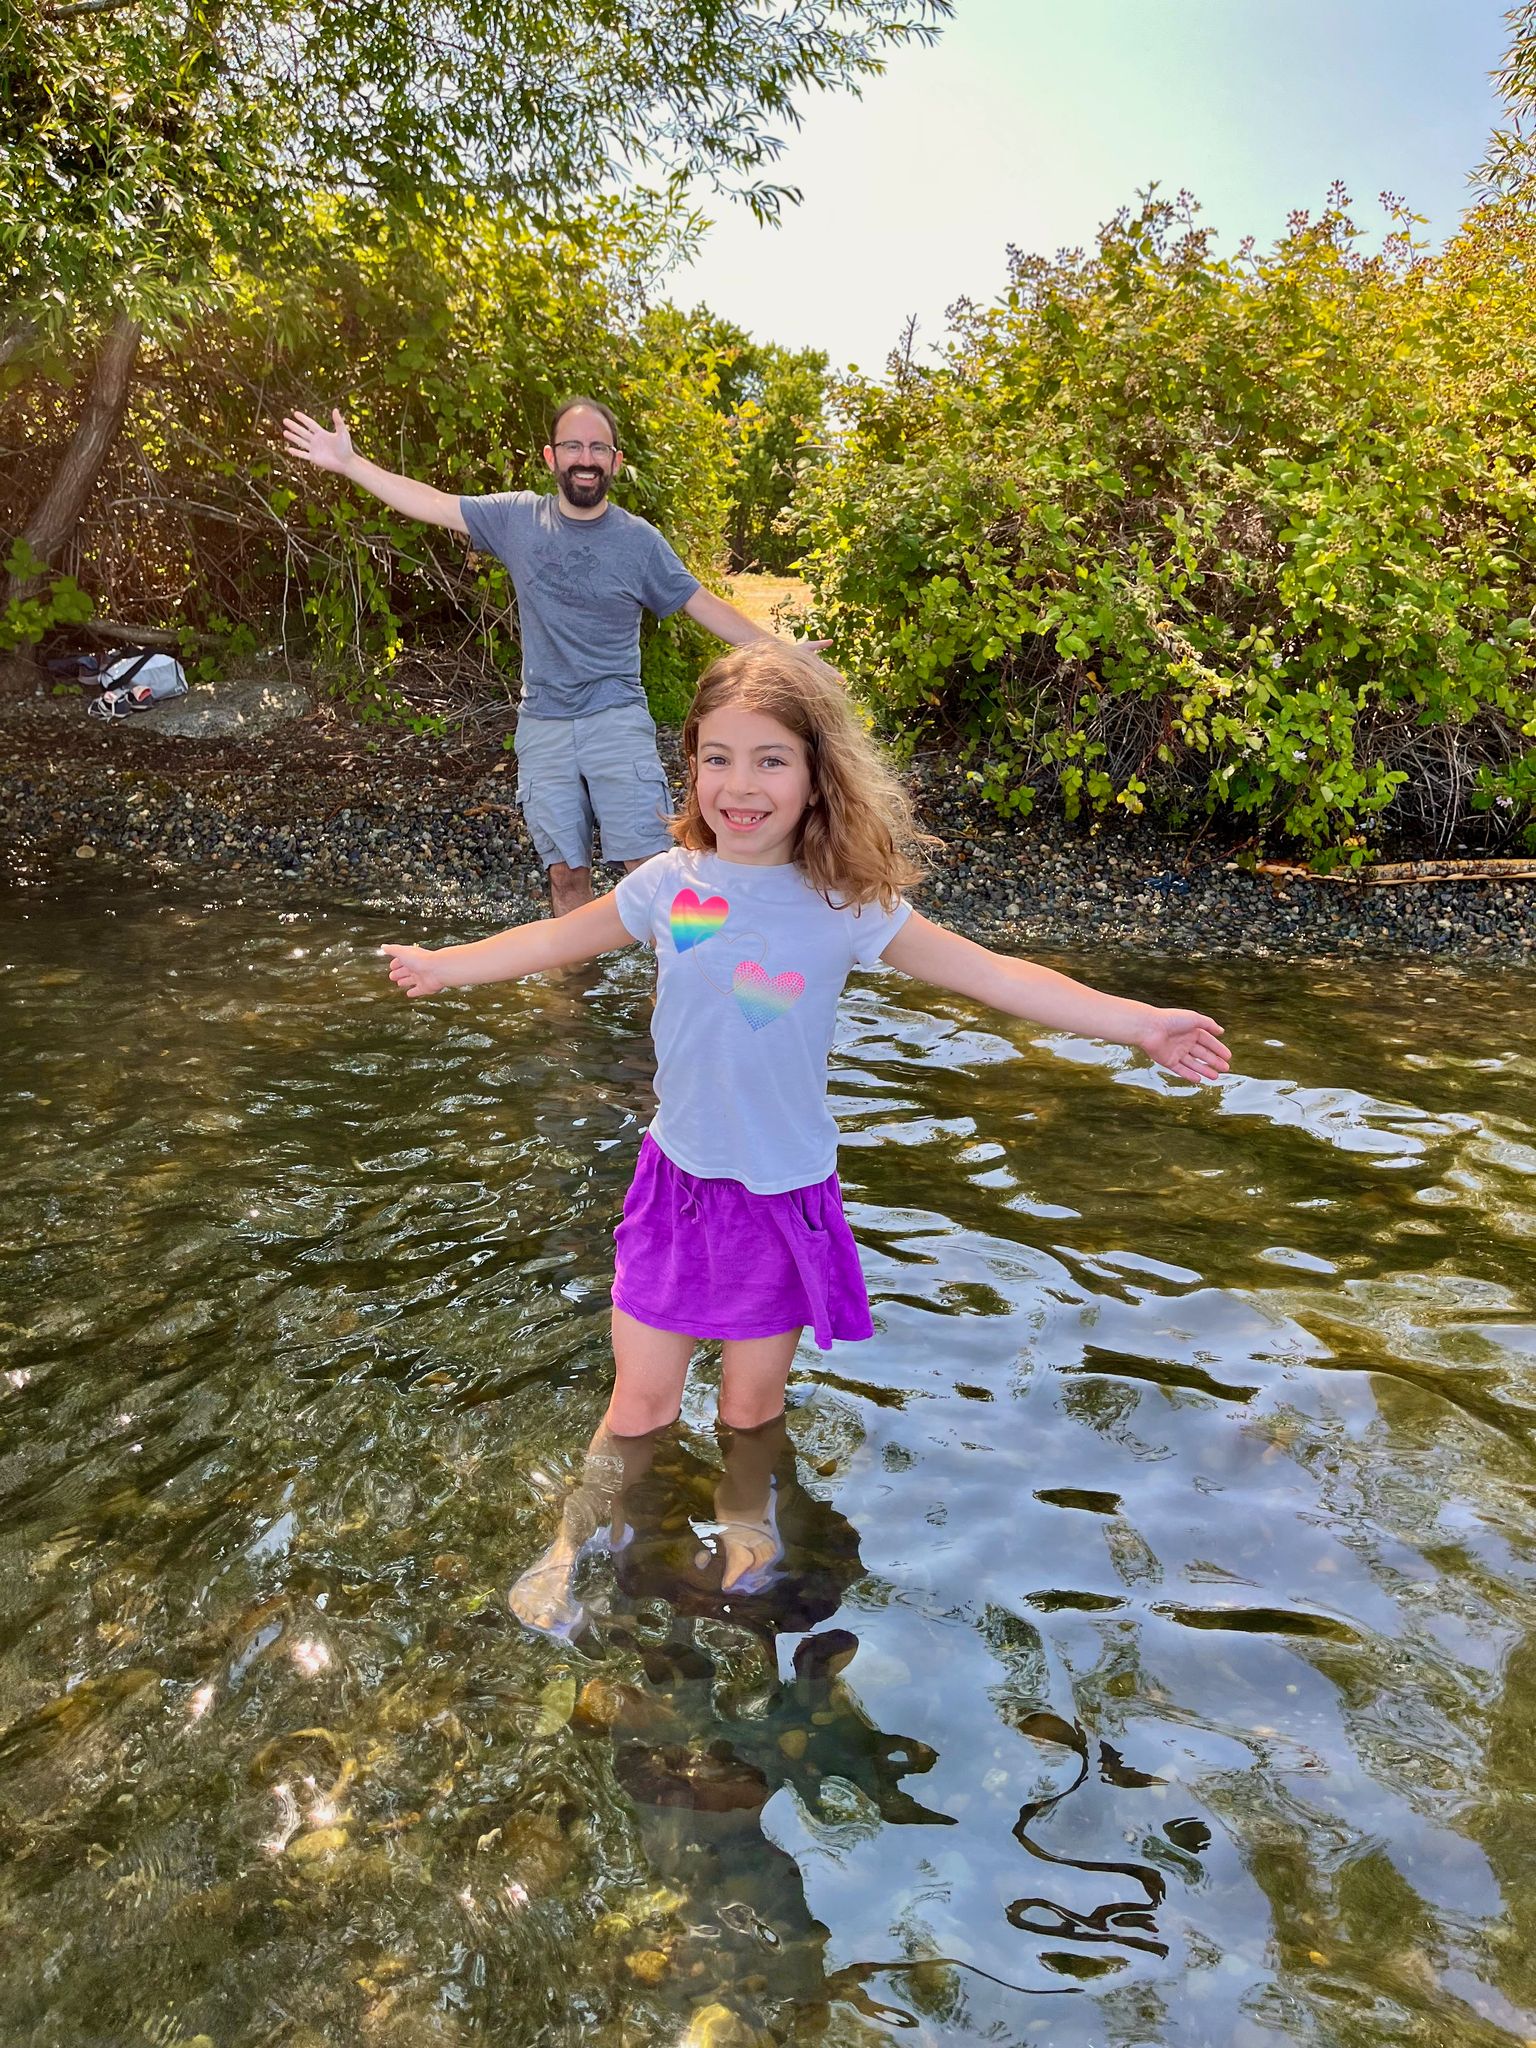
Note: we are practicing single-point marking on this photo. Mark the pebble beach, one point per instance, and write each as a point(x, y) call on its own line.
point(429, 827)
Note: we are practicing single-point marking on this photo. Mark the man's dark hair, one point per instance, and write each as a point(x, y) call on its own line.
point(570, 404)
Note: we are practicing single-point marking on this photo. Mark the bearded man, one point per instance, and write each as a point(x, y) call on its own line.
point(584, 570)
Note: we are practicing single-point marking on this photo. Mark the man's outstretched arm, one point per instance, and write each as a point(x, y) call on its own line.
point(331, 448)
point(726, 623)
point(722, 619)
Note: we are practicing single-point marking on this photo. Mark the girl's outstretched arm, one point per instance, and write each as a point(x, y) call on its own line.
point(1185, 1041)
point(526, 949)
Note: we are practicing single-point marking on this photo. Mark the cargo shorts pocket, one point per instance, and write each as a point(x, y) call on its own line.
point(653, 798)
point(632, 809)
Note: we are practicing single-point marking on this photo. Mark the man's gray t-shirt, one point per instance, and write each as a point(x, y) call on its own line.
point(581, 586)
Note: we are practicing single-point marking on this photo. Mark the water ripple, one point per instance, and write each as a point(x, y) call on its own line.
point(1152, 1654)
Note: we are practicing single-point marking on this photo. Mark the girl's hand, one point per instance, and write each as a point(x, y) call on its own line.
point(1186, 1043)
point(414, 969)
point(325, 448)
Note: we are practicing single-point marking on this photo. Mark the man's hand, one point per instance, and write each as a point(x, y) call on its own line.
point(1186, 1043)
point(414, 969)
point(324, 447)
point(728, 624)
point(331, 448)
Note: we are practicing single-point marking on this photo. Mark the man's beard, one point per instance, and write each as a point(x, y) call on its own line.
point(585, 491)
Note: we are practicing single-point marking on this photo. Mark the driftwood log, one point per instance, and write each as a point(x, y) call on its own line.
point(122, 632)
point(1393, 873)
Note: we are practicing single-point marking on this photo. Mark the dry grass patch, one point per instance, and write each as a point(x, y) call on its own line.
point(762, 597)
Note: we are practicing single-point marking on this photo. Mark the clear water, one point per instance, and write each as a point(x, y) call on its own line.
point(1155, 1661)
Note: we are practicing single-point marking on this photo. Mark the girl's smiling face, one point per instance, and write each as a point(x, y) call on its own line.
point(753, 779)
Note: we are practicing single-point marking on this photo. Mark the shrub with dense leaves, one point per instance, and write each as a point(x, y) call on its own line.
point(774, 403)
point(445, 348)
point(1252, 539)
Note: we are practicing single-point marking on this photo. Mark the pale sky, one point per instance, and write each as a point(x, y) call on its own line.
point(1033, 120)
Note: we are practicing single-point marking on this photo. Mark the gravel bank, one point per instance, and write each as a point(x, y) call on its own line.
point(320, 808)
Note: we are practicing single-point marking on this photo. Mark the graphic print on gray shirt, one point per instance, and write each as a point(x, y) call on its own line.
point(581, 586)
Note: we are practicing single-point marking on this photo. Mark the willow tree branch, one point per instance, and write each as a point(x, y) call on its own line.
point(74, 7)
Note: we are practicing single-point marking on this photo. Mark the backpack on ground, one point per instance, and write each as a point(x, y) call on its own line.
point(132, 681)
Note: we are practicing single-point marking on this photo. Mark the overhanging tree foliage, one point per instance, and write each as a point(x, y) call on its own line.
point(147, 147)
point(1508, 169)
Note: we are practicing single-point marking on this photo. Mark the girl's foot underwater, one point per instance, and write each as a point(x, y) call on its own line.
point(750, 1552)
point(544, 1596)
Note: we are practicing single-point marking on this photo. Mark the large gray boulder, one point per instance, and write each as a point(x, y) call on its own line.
point(238, 708)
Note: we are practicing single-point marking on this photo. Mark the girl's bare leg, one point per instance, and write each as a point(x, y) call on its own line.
point(648, 1391)
point(744, 1503)
point(753, 1377)
point(753, 1374)
point(651, 1367)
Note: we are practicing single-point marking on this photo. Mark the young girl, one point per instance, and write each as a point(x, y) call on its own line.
point(787, 874)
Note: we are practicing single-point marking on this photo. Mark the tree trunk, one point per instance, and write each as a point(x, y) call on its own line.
point(54, 519)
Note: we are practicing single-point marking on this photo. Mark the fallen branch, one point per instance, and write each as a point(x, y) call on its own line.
point(1391, 874)
point(121, 630)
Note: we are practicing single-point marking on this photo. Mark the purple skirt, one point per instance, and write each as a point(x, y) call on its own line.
point(709, 1259)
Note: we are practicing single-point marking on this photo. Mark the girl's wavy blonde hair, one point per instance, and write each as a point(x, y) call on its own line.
point(855, 838)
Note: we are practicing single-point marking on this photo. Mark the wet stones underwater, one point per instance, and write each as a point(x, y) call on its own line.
point(1151, 1662)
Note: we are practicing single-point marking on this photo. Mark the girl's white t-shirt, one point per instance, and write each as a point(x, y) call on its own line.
point(750, 963)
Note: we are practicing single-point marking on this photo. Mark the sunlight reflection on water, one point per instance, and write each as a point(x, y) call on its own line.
point(1153, 1659)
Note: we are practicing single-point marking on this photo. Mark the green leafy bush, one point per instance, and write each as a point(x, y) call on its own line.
point(774, 403)
point(1249, 539)
point(61, 602)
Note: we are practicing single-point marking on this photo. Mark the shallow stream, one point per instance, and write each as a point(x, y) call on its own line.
point(1154, 1660)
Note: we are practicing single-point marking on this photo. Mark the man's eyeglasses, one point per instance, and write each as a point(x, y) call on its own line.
point(598, 450)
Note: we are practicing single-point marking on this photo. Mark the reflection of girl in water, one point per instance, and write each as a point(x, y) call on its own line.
point(723, 1638)
point(787, 875)
point(718, 1732)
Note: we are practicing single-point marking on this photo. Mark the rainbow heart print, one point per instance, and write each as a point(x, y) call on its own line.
point(762, 997)
point(693, 921)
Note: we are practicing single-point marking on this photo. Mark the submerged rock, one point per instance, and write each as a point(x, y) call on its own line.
point(716, 2026)
point(606, 1704)
point(691, 1778)
point(317, 1844)
point(557, 1703)
point(647, 1965)
point(541, 1855)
